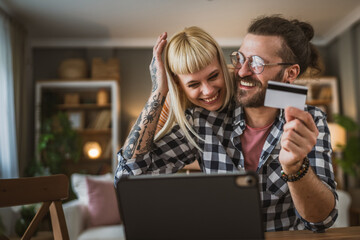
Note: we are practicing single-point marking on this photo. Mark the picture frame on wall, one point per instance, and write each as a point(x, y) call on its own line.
point(76, 119)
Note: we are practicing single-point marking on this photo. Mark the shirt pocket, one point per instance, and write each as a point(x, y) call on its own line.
point(275, 185)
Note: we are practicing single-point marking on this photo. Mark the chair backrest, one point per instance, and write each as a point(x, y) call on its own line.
point(49, 190)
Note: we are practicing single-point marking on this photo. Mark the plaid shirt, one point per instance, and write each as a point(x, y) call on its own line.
point(222, 153)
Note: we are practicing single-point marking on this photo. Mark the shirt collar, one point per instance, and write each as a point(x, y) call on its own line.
point(239, 116)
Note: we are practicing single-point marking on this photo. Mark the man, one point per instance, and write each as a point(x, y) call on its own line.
point(289, 149)
point(276, 40)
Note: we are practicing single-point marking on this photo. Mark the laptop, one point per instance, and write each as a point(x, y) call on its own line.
point(194, 206)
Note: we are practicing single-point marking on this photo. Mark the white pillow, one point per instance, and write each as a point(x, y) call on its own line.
point(79, 186)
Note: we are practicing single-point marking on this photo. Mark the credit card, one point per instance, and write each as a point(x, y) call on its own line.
point(282, 95)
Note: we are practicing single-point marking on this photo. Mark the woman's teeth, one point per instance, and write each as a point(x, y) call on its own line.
point(247, 84)
point(211, 99)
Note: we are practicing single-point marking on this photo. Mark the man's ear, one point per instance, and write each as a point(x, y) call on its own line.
point(291, 73)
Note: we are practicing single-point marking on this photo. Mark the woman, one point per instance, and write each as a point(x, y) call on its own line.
point(197, 76)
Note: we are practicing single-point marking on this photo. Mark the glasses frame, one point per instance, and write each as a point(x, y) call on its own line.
point(234, 54)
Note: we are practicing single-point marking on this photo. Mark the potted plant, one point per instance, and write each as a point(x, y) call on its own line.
point(58, 142)
point(350, 160)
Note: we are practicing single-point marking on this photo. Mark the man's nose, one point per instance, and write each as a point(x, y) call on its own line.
point(245, 70)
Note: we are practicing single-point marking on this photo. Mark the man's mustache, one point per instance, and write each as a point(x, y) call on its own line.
point(249, 79)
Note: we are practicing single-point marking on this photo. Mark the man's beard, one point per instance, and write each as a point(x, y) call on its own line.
point(257, 100)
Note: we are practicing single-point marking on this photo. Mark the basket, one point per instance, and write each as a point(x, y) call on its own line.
point(105, 70)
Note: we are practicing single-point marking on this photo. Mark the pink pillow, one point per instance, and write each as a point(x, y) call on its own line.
point(102, 207)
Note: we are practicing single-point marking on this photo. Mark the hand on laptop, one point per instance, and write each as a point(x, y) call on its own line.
point(300, 134)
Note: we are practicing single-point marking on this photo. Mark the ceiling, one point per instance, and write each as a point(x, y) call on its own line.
point(137, 23)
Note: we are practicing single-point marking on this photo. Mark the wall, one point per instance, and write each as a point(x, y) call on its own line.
point(343, 59)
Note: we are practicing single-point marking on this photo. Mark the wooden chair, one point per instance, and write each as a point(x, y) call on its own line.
point(50, 190)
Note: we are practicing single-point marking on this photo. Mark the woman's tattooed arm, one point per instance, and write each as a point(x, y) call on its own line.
point(142, 134)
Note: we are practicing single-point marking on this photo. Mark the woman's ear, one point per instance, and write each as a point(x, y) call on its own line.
point(174, 77)
point(177, 82)
point(291, 73)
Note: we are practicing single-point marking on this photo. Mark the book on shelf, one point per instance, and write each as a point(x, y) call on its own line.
point(102, 120)
point(107, 151)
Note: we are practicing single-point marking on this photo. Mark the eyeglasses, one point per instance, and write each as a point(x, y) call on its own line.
point(256, 63)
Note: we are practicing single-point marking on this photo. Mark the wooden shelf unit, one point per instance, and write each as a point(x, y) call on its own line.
point(89, 112)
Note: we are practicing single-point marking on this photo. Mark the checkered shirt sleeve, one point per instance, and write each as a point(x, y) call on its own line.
point(168, 155)
point(321, 163)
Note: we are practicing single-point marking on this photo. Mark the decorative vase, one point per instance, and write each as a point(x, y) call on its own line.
point(102, 97)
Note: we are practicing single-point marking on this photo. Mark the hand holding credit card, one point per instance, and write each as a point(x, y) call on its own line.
point(282, 95)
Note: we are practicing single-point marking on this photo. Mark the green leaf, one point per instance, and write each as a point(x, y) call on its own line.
point(346, 122)
point(57, 140)
point(350, 162)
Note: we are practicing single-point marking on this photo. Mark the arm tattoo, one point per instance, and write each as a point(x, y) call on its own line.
point(151, 108)
point(135, 138)
point(148, 142)
point(153, 75)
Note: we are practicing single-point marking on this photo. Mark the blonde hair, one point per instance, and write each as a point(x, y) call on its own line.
point(190, 51)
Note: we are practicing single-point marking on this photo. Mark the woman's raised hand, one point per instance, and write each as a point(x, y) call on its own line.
point(157, 69)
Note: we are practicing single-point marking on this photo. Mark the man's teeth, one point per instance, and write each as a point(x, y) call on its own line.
point(247, 84)
point(211, 99)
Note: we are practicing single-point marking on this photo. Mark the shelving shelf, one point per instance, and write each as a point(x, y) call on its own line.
point(89, 110)
point(84, 106)
point(94, 131)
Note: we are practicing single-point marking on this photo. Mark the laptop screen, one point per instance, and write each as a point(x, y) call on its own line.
point(195, 206)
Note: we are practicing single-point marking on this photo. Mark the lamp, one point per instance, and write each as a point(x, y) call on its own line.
point(92, 150)
point(338, 136)
point(338, 141)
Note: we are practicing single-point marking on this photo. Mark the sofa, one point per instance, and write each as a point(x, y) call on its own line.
point(94, 214)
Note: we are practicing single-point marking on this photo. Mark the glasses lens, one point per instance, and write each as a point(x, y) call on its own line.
point(257, 64)
point(234, 59)
point(237, 59)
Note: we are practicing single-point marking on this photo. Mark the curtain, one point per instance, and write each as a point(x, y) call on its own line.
point(23, 94)
point(8, 142)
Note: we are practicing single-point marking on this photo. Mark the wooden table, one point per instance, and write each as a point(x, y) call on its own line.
point(332, 234)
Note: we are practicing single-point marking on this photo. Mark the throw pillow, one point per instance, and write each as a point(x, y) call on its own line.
point(102, 207)
point(79, 186)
